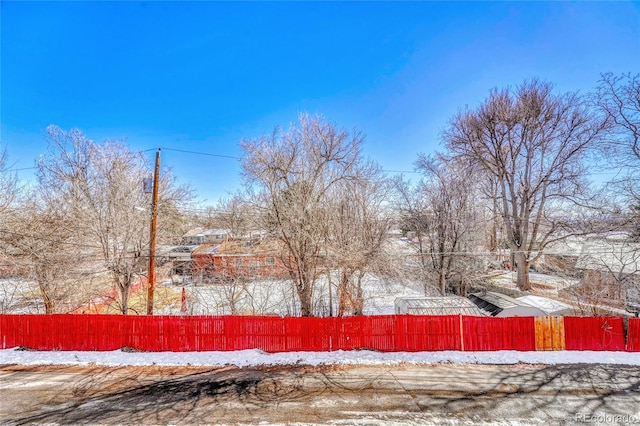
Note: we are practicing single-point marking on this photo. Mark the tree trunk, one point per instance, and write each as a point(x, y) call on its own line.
point(493, 237)
point(358, 308)
point(43, 283)
point(305, 295)
point(522, 265)
point(441, 281)
point(330, 296)
point(124, 294)
point(49, 303)
point(306, 309)
point(123, 287)
point(343, 294)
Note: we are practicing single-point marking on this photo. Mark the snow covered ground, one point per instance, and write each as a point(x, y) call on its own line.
point(546, 285)
point(278, 298)
point(259, 358)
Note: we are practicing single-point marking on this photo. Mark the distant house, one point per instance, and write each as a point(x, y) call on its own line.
point(501, 305)
point(238, 259)
point(180, 258)
point(613, 256)
point(447, 305)
point(560, 255)
point(611, 270)
point(199, 236)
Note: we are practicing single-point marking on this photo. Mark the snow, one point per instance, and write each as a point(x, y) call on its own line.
point(248, 358)
point(549, 306)
point(277, 297)
point(20, 296)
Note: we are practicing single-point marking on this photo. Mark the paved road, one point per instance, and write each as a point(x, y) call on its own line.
point(338, 395)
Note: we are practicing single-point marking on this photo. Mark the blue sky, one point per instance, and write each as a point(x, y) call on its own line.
point(201, 76)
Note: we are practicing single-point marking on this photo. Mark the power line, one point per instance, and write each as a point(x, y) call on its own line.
point(20, 169)
point(35, 237)
point(201, 153)
point(401, 171)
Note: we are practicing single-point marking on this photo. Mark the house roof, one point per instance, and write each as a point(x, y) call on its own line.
point(176, 252)
point(206, 249)
point(610, 255)
point(239, 248)
point(201, 232)
point(569, 246)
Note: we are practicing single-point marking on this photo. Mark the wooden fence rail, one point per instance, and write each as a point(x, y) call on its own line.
point(388, 333)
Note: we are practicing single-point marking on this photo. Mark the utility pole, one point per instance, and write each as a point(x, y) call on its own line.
point(152, 236)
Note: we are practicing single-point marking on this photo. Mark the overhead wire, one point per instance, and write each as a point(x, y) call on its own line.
point(200, 153)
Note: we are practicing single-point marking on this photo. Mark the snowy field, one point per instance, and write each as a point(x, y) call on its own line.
point(248, 358)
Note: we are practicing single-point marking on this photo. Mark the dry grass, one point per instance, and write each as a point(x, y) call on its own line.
point(165, 298)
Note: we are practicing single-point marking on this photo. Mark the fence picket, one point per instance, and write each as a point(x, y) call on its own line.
point(633, 335)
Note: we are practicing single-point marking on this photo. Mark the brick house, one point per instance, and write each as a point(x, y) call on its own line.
point(236, 259)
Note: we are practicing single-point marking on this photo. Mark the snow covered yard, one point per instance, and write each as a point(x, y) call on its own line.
point(543, 284)
point(277, 297)
point(249, 358)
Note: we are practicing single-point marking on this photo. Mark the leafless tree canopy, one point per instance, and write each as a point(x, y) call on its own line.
point(99, 189)
point(533, 143)
point(46, 249)
point(619, 98)
point(8, 184)
point(442, 213)
point(297, 174)
point(356, 231)
point(233, 214)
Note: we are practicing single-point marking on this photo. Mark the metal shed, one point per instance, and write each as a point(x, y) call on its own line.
point(446, 305)
point(501, 305)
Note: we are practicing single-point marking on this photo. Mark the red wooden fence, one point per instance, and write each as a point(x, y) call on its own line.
point(633, 335)
point(594, 333)
point(495, 334)
point(389, 333)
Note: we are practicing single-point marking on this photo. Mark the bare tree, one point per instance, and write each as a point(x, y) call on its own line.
point(356, 231)
point(174, 199)
point(8, 184)
point(294, 172)
point(8, 268)
point(611, 273)
point(534, 144)
point(618, 96)
point(441, 212)
point(100, 187)
point(490, 191)
point(453, 197)
point(234, 214)
point(415, 221)
point(45, 249)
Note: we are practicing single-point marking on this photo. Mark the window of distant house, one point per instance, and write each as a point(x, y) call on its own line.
point(254, 267)
point(270, 261)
